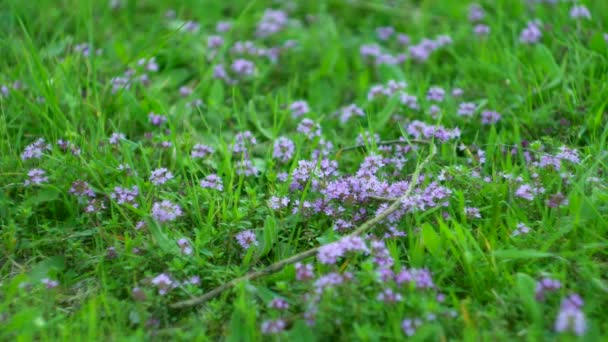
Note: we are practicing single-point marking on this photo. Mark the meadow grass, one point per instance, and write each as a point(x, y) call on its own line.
point(503, 236)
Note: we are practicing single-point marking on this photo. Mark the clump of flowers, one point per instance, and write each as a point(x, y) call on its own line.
point(201, 151)
point(571, 317)
point(284, 149)
point(36, 177)
point(35, 150)
point(246, 239)
point(165, 211)
point(212, 181)
point(125, 195)
point(160, 176)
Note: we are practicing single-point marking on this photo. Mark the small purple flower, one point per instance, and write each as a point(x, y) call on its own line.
point(457, 92)
point(472, 212)
point(409, 326)
point(243, 141)
point(160, 176)
point(570, 316)
point(185, 91)
point(115, 138)
point(272, 22)
point(81, 189)
point(223, 26)
point(403, 39)
point(270, 327)
point(246, 168)
point(126, 195)
point(557, 200)
point(163, 283)
point(304, 271)
point(370, 50)
point(546, 285)
point(201, 151)
point(481, 30)
point(35, 150)
point(166, 211)
point(531, 34)
point(278, 203)
point(157, 119)
point(284, 149)
point(243, 67)
point(580, 11)
point(309, 128)
point(435, 94)
point(476, 13)
point(94, 205)
point(349, 111)
point(389, 296)
point(299, 108)
point(384, 33)
point(568, 154)
point(212, 181)
point(528, 192)
point(467, 109)
point(185, 246)
point(278, 304)
point(138, 294)
point(214, 41)
point(36, 177)
point(489, 117)
point(246, 239)
point(49, 283)
point(521, 230)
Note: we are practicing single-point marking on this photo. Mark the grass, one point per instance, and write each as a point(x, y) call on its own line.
point(549, 94)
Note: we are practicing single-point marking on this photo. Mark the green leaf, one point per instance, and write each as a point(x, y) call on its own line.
point(521, 254)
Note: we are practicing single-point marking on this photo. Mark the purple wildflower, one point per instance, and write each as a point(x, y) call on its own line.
point(160, 176)
point(201, 151)
point(246, 238)
point(223, 26)
point(349, 111)
point(472, 212)
point(272, 22)
point(489, 117)
point(115, 138)
point(520, 230)
point(384, 33)
point(157, 119)
point(481, 30)
point(531, 34)
point(435, 94)
point(214, 41)
point(457, 92)
point(329, 253)
point(370, 50)
point(557, 200)
point(277, 203)
point(185, 91)
point(568, 154)
point(389, 296)
point(185, 246)
point(243, 67)
point(94, 205)
point(299, 108)
point(467, 109)
point(125, 195)
point(580, 11)
point(403, 39)
point(36, 177)
point(246, 168)
point(35, 150)
point(304, 271)
point(278, 304)
point(528, 192)
point(81, 189)
point(212, 181)
point(49, 283)
point(243, 141)
point(330, 280)
point(570, 316)
point(476, 13)
point(546, 285)
point(163, 283)
point(309, 128)
point(166, 211)
point(284, 149)
point(409, 326)
point(273, 326)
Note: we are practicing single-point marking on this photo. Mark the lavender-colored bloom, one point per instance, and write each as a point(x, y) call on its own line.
point(481, 30)
point(81, 189)
point(472, 212)
point(410, 101)
point(330, 280)
point(557, 200)
point(384, 33)
point(520, 230)
point(246, 239)
point(309, 128)
point(278, 203)
point(185, 91)
point(278, 304)
point(367, 138)
point(166, 211)
point(246, 168)
point(35, 150)
point(570, 316)
point(370, 50)
point(160, 176)
point(138, 294)
point(201, 151)
point(435, 94)
point(36, 177)
point(546, 285)
point(214, 41)
point(125, 195)
point(467, 109)
point(418, 129)
point(276, 326)
point(329, 253)
point(389, 296)
point(115, 138)
point(284, 149)
point(409, 326)
point(185, 246)
point(304, 271)
point(157, 119)
point(349, 111)
point(149, 64)
point(272, 22)
point(49, 283)
point(489, 117)
point(403, 39)
point(223, 26)
point(243, 141)
point(163, 283)
point(212, 181)
point(580, 11)
point(568, 154)
point(299, 108)
point(342, 225)
point(457, 92)
point(191, 26)
point(243, 67)
point(94, 205)
point(531, 34)
point(528, 192)
point(476, 13)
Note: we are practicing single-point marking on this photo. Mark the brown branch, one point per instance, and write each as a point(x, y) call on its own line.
point(308, 253)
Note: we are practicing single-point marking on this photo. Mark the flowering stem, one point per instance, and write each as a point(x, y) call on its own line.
point(277, 266)
point(386, 142)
